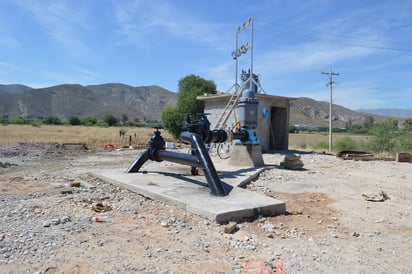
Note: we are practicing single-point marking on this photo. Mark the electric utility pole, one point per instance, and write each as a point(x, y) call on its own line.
point(330, 84)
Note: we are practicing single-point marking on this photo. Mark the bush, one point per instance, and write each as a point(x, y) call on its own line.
point(36, 123)
point(102, 124)
point(346, 143)
point(4, 119)
point(405, 142)
point(357, 129)
point(110, 120)
point(384, 136)
point(293, 129)
point(52, 120)
point(89, 121)
point(172, 120)
point(122, 132)
point(74, 120)
point(18, 121)
point(322, 145)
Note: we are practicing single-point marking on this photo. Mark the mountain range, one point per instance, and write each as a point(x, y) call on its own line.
point(392, 112)
point(63, 101)
point(147, 103)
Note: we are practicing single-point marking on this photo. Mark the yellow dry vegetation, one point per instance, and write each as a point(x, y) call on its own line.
point(93, 137)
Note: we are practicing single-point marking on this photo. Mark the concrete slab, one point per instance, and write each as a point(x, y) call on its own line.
point(173, 184)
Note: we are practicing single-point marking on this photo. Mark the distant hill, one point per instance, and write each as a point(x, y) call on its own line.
point(393, 112)
point(14, 88)
point(63, 101)
point(306, 111)
point(144, 102)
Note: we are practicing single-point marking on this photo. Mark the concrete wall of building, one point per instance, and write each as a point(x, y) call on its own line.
point(269, 130)
point(272, 131)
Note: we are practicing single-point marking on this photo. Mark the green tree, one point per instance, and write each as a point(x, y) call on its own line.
point(357, 129)
point(346, 143)
point(110, 120)
point(74, 120)
point(368, 122)
point(4, 119)
point(190, 87)
point(293, 129)
point(52, 120)
point(407, 125)
point(172, 120)
point(18, 121)
point(384, 136)
point(89, 121)
point(124, 119)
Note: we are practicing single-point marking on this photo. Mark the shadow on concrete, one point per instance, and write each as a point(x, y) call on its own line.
point(189, 179)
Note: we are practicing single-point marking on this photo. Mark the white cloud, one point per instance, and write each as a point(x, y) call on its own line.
point(139, 20)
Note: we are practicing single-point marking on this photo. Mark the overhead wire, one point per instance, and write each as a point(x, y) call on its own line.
point(338, 38)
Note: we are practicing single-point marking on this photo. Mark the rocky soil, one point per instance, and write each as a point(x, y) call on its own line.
point(47, 199)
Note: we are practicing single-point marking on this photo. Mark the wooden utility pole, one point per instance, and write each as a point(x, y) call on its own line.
point(330, 84)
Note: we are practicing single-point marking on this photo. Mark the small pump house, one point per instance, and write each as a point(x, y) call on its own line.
point(272, 123)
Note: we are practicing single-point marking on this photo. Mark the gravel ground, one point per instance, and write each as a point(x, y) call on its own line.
point(46, 227)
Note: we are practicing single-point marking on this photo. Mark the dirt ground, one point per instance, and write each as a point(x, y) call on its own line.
point(329, 227)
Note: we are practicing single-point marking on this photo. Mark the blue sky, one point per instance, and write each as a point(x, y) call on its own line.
point(50, 42)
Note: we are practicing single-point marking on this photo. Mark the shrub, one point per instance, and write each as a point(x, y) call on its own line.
point(346, 143)
point(18, 121)
point(74, 120)
point(36, 123)
point(110, 120)
point(384, 136)
point(89, 121)
point(293, 129)
point(405, 142)
point(122, 132)
point(172, 120)
point(52, 120)
point(322, 145)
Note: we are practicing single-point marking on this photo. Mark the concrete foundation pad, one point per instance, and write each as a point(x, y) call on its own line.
point(192, 192)
point(246, 155)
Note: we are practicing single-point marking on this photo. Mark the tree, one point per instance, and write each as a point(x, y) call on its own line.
point(408, 124)
point(172, 120)
point(52, 120)
point(110, 120)
point(384, 136)
point(190, 87)
point(124, 119)
point(368, 122)
point(18, 121)
point(74, 120)
point(89, 121)
point(4, 119)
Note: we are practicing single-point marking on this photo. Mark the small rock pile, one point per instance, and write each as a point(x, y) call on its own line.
point(292, 161)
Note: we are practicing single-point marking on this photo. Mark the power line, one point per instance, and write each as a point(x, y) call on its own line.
point(334, 38)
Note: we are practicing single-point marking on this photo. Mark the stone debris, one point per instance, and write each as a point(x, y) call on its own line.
point(381, 197)
point(230, 227)
point(292, 161)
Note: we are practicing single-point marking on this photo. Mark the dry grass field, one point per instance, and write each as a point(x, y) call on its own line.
point(93, 137)
point(319, 141)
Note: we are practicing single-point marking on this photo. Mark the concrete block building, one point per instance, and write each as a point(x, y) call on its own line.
point(273, 118)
